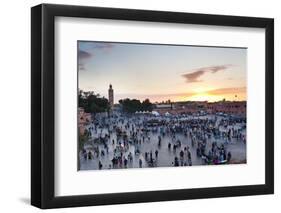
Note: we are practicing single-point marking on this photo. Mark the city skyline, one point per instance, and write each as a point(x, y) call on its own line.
point(163, 72)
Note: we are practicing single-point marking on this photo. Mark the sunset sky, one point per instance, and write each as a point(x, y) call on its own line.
point(162, 72)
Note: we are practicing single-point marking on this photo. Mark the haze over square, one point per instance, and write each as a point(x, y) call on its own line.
point(163, 72)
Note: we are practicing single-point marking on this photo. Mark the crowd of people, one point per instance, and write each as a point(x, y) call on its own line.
point(129, 141)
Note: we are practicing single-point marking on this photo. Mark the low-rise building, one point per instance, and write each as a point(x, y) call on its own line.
point(84, 119)
point(237, 108)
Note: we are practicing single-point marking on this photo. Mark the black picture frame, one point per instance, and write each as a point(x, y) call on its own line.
point(43, 110)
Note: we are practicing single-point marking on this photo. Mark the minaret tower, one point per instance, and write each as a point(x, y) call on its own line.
point(110, 96)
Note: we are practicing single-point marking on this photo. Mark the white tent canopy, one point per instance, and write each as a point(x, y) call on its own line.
point(167, 113)
point(155, 113)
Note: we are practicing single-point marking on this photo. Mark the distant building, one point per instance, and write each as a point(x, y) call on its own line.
point(110, 96)
point(237, 108)
point(164, 106)
point(229, 107)
point(83, 120)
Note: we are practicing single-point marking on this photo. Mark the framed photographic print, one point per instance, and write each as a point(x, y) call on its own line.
point(139, 106)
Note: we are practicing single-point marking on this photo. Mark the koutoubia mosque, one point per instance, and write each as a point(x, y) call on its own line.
point(110, 96)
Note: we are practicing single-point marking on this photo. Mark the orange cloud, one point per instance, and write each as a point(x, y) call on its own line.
point(222, 91)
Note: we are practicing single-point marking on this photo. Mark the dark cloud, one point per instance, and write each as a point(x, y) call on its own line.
point(193, 77)
point(82, 58)
point(84, 54)
point(103, 45)
point(215, 69)
point(96, 46)
point(81, 67)
point(195, 74)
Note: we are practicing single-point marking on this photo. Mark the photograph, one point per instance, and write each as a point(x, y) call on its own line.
point(160, 105)
point(149, 105)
